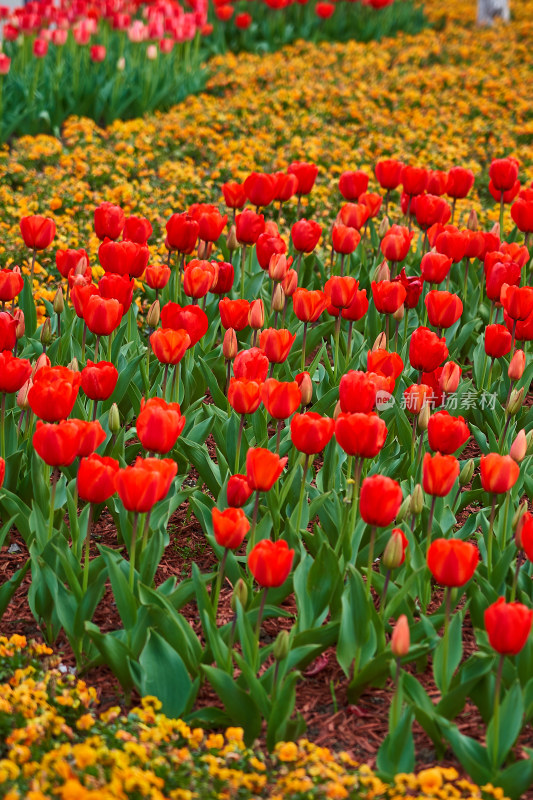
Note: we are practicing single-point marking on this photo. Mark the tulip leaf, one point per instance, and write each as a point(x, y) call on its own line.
point(470, 753)
point(126, 601)
point(354, 623)
point(114, 652)
point(164, 675)
point(501, 737)
point(240, 705)
point(518, 778)
point(397, 753)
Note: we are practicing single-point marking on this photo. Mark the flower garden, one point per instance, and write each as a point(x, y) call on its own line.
point(266, 519)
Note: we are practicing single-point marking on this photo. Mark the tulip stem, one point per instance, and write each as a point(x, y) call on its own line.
point(132, 549)
point(496, 713)
point(430, 523)
point(446, 638)
point(501, 215)
point(302, 493)
point(515, 578)
point(304, 341)
point(513, 341)
point(370, 562)
point(95, 409)
point(3, 426)
point(490, 534)
point(218, 584)
point(176, 383)
point(278, 435)
point(352, 514)
point(384, 592)
point(261, 611)
point(254, 520)
point(243, 263)
point(503, 537)
point(396, 708)
point(96, 346)
point(239, 440)
point(465, 282)
point(146, 530)
point(83, 340)
point(165, 377)
point(87, 548)
point(52, 504)
point(349, 345)
point(32, 267)
point(343, 256)
point(501, 443)
point(337, 335)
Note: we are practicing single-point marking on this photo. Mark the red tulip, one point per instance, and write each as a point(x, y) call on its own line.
point(452, 243)
point(503, 173)
point(109, 221)
point(357, 308)
point(390, 364)
point(117, 287)
point(447, 434)
point(498, 273)
point(188, 318)
point(249, 226)
point(281, 398)
point(498, 341)
point(198, 277)
point(90, 436)
point(96, 478)
point(498, 473)
point(234, 194)
point(361, 435)
point(182, 233)
point(353, 184)
point(276, 344)
point(263, 468)
point(522, 214)
point(517, 301)
point(11, 284)
point(238, 491)
point(439, 473)
point(340, 291)
point(234, 313)
point(452, 562)
point(166, 470)
point(98, 380)
point(430, 209)
point(268, 245)
point(344, 239)
point(310, 432)
point(389, 173)
point(416, 396)
point(426, 350)
point(308, 305)
point(54, 393)
point(305, 235)
point(159, 424)
point(444, 308)
point(168, 345)
point(380, 500)
point(508, 626)
point(57, 445)
point(414, 180)
point(270, 562)
point(225, 278)
point(260, 188)
point(70, 262)
point(137, 229)
point(210, 221)
point(123, 258)
point(286, 186)
point(357, 392)
point(244, 395)
point(396, 243)
point(388, 296)
point(460, 182)
point(157, 276)
point(38, 232)
point(102, 316)
point(434, 267)
point(138, 487)
point(305, 174)
point(230, 527)
point(373, 201)
point(14, 372)
point(251, 364)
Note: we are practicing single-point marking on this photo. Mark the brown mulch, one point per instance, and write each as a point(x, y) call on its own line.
point(321, 694)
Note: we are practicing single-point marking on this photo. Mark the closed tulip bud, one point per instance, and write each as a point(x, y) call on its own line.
point(231, 240)
point(338, 410)
point(518, 521)
point(417, 500)
point(113, 420)
point(59, 303)
point(230, 345)
point(277, 266)
point(519, 446)
point(74, 366)
point(382, 272)
point(42, 361)
point(517, 366)
point(380, 343)
point(281, 646)
point(204, 250)
point(256, 315)
point(465, 476)
point(81, 267)
point(22, 395)
point(383, 227)
point(405, 509)
point(400, 640)
point(394, 553)
point(290, 282)
point(278, 298)
point(423, 418)
point(529, 439)
point(18, 314)
point(154, 314)
point(46, 332)
point(473, 222)
point(496, 229)
point(305, 384)
point(450, 377)
point(240, 593)
point(516, 401)
point(399, 314)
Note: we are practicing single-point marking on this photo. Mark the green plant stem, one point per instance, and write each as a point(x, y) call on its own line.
point(337, 335)
point(491, 534)
point(165, 378)
point(349, 345)
point(430, 524)
point(446, 638)
point(52, 503)
point(132, 549)
point(501, 443)
point(278, 435)
point(302, 493)
point(261, 611)
point(501, 216)
point(3, 426)
point(515, 578)
point(220, 577)
point(370, 562)
point(239, 440)
point(87, 548)
point(384, 592)
point(32, 269)
point(304, 340)
point(396, 709)
point(243, 263)
point(496, 712)
point(254, 520)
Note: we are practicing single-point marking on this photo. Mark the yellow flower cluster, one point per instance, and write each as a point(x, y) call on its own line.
point(56, 746)
point(451, 94)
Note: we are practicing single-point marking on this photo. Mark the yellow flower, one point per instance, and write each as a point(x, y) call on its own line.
point(287, 751)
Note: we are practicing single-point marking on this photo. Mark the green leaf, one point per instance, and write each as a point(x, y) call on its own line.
point(397, 753)
point(501, 738)
point(443, 670)
point(471, 754)
point(240, 705)
point(164, 675)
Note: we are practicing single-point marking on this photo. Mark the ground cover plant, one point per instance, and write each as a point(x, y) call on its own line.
point(118, 61)
point(325, 366)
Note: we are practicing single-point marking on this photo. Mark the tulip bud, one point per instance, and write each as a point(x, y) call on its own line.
point(465, 476)
point(42, 361)
point(121, 64)
point(231, 239)
point(240, 593)
point(529, 438)
point(290, 282)
point(519, 447)
point(393, 555)
point(473, 222)
point(113, 420)
point(59, 303)
point(423, 418)
point(417, 500)
point(305, 384)
point(338, 410)
point(74, 366)
point(450, 377)
point(18, 314)
point(517, 365)
point(404, 510)
point(154, 314)
point(81, 266)
point(399, 313)
point(518, 521)
point(384, 226)
point(400, 640)
point(281, 646)
point(277, 266)
point(496, 229)
point(278, 298)
point(256, 315)
point(516, 401)
point(22, 395)
point(382, 272)
point(204, 250)
point(380, 343)
point(230, 347)
point(46, 332)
